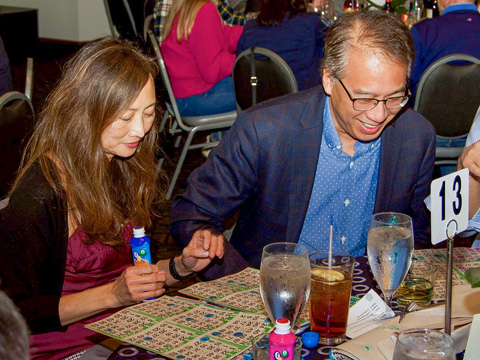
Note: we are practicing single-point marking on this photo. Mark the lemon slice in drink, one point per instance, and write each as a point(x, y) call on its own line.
point(328, 275)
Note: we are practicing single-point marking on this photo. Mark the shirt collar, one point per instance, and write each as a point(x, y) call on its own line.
point(459, 7)
point(332, 140)
point(330, 135)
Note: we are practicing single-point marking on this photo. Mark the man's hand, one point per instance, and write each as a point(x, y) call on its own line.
point(201, 250)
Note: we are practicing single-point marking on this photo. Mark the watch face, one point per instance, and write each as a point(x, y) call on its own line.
point(338, 354)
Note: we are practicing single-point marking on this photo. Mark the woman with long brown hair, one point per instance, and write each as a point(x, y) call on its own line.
point(87, 177)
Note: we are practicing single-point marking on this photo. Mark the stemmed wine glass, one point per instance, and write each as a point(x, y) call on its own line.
point(390, 249)
point(285, 280)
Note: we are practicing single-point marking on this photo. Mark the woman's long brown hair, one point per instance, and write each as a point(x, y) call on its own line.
point(98, 84)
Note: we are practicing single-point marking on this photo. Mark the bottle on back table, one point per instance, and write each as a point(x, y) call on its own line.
point(388, 7)
point(428, 6)
point(350, 6)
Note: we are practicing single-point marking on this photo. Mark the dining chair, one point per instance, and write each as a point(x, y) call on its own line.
point(16, 124)
point(185, 125)
point(29, 78)
point(448, 95)
point(120, 19)
point(260, 74)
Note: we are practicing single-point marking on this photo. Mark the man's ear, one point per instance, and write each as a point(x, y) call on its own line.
point(327, 81)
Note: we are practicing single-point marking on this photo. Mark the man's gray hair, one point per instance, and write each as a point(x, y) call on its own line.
point(374, 31)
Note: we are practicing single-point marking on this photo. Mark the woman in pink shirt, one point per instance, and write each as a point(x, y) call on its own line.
point(199, 52)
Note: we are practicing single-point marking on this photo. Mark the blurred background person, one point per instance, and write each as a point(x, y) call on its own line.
point(5, 76)
point(456, 31)
point(87, 177)
point(199, 52)
point(13, 331)
point(284, 27)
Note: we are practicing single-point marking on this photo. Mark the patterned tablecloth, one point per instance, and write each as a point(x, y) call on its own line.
point(363, 281)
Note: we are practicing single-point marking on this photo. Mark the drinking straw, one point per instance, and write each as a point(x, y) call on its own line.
point(330, 239)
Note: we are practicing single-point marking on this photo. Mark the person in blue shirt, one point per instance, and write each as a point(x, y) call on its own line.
point(285, 28)
point(295, 165)
point(456, 31)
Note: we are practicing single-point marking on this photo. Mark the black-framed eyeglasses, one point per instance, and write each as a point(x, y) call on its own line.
point(367, 104)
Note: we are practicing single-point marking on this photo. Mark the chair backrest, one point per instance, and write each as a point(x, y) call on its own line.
point(271, 77)
point(29, 78)
point(448, 94)
point(16, 124)
point(120, 19)
point(171, 102)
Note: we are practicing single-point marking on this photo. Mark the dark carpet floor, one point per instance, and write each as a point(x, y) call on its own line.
point(47, 69)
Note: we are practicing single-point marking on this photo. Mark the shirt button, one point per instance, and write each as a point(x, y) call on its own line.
point(351, 164)
point(339, 147)
point(343, 238)
point(346, 202)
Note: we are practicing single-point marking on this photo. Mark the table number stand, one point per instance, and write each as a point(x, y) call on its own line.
point(449, 197)
point(448, 295)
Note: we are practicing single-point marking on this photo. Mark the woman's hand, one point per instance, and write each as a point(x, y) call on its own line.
point(201, 250)
point(138, 283)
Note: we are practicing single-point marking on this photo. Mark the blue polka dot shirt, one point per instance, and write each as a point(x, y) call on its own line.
point(343, 193)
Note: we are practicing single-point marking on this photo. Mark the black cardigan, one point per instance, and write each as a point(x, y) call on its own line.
point(33, 248)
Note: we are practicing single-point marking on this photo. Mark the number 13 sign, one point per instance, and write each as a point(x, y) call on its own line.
point(449, 208)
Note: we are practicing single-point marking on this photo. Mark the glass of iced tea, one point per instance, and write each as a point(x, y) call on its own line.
point(330, 294)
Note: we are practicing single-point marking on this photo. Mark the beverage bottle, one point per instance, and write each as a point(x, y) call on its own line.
point(360, 4)
point(388, 6)
point(282, 341)
point(436, 11)
point(428, 6)
point(350, 6)
point(411, 19)
point(418, 10)
point(140, 244)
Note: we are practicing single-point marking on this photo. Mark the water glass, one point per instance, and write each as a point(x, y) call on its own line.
point(330, 294)
point(284, 280)
point(390, 249)
point(416, 344)
point(261, 349)
point(418, 285)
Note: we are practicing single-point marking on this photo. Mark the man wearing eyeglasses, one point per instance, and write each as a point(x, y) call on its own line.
point(295, 165)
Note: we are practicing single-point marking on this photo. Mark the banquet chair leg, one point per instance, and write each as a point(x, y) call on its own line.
point(175, 130)
point(159, 165)
point(180, 163)
point(165, 117)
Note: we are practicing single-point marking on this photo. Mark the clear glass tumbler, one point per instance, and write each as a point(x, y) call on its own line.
point(416, 344)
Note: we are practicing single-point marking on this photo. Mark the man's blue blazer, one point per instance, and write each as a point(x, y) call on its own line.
point(265, 168)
